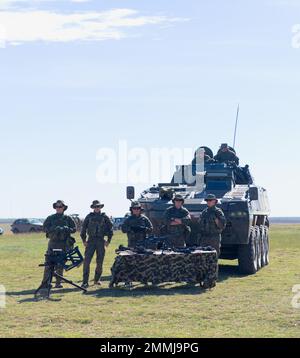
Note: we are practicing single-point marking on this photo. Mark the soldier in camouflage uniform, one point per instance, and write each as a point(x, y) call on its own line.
point(225, 155)
point(137, 226)
point(212, 224)
point(96, 225)
point(58, 229)
point(177, 220)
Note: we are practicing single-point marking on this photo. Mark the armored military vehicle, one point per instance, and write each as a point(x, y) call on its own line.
point(245, 205)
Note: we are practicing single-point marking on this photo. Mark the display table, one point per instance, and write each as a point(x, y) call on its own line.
point(157, 267)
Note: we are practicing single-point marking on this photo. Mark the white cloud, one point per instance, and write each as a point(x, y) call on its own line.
point(37, 25)
point(18, 3)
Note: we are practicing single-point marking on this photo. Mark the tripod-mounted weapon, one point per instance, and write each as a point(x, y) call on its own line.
point(59, 258)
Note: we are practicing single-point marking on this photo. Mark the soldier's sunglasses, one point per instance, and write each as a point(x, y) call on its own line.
point(59, 207)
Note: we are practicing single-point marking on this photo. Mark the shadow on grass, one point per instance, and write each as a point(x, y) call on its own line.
point(138, 290)
point(228, 271)
point(31, 293)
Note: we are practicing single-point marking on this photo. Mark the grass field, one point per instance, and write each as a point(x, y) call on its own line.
point(253, 306)
point(6, 228)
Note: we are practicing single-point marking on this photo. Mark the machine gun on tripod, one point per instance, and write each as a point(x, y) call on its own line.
point(57, 257)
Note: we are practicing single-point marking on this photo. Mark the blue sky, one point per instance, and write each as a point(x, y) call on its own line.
point(78, 76)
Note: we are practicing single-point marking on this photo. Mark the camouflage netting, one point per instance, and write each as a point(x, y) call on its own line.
point(158, 267)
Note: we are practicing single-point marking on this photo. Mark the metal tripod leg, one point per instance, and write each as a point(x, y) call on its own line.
point(46, 284)
point(69, 282)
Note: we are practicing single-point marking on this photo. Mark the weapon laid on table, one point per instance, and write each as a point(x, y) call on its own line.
point(184, 250)
point(136, 250)
point(192, 249)
point(158, 242)
point(57, 257)
point(149, 245)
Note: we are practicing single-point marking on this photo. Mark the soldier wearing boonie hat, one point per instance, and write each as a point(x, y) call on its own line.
point(137, 226)
point(58, 229)
point(212, 223)
point(96, 226)
point(177, 220)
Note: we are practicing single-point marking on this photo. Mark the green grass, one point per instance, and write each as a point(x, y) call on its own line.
point(253, 306)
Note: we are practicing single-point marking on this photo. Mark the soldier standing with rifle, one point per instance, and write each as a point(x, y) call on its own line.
point(177, 220)
point(212, 224)
point(96, 225)
point(136, 226)
point(58, 229)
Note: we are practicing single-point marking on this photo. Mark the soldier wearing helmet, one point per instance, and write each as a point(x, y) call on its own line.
point(137, 226)
point(212, 223)
point(226, 155)
point(177, 219)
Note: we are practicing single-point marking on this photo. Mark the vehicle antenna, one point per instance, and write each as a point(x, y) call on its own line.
point(236, 125)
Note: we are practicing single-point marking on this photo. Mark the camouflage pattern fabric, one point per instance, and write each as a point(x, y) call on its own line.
point(167, 266)
point(59, 269)
point(58, 228)
point(213, 241)
point(98, 247)
point(137, 228)
point(96, 226)
point(179, 233)
point(212, 223)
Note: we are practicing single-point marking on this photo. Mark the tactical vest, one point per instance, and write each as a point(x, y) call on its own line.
point(96, 226)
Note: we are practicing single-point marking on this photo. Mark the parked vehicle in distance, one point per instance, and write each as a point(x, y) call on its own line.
point(21, 226)
point(118, 222)
point(1, 231)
